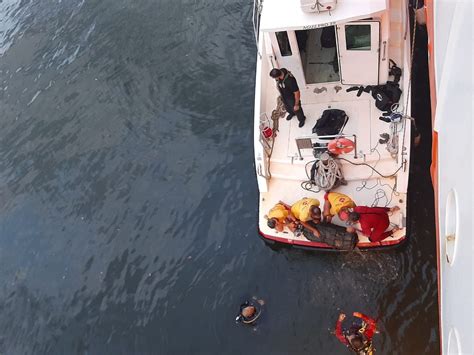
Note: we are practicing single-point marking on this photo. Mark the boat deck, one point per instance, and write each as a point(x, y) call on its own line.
point(364, 186)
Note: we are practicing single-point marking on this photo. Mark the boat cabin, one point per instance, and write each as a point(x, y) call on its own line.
point(324, 48)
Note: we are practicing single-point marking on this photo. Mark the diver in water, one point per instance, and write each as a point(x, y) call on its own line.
point(359, 337)
point(250, 311)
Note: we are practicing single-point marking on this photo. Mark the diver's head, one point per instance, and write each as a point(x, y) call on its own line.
point(248, 311)
point(315, 213)
point(353, 217)
point(343, 214)
point(356, 342)
point(271, 223)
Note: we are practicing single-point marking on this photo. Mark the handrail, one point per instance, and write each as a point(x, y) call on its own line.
point(256, 12)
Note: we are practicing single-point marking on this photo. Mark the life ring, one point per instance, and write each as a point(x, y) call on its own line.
point(341, 145)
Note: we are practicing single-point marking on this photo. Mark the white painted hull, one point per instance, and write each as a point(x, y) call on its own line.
point(451, 48)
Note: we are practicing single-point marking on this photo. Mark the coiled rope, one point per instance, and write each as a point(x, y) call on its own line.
point(325, 174)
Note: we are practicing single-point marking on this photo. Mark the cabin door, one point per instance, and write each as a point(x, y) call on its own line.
point(359, 52)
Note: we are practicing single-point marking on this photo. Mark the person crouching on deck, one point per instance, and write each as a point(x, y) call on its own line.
point(280, 217)
point(359, 337)
point(373, 221)
point(307, 210)
point(337, 203)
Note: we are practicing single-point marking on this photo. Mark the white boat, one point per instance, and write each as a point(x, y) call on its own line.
point(450, 59)
point(367, 36)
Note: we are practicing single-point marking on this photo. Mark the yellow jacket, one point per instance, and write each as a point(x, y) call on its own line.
point(300, 209)
point(338, 201)
point(279, 212)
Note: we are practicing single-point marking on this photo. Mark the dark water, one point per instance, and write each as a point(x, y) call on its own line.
point(128, 199)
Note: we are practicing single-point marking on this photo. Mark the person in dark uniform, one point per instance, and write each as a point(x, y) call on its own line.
point(290, 94)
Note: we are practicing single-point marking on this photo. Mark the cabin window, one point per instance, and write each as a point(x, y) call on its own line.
point(318, 54)
point(283, 43)
point(358, 37)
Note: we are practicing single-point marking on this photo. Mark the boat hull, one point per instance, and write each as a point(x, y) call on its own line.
point(306, 244)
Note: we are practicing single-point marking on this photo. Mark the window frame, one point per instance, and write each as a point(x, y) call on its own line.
point(367, 37)
point(287, 39)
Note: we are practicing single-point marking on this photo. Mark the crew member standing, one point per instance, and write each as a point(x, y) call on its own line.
point(290, 94)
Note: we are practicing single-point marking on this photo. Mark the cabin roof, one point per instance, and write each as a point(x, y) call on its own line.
point(279, 15)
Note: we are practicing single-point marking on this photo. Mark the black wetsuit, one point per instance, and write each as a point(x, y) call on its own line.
point(333, 235)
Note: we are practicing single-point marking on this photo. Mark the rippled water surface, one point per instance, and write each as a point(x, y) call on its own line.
point(128, 198)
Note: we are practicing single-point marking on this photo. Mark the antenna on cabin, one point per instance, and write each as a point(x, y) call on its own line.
point(318, 5)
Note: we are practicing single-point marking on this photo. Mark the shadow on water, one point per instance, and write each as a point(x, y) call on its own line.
point(128, 195)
